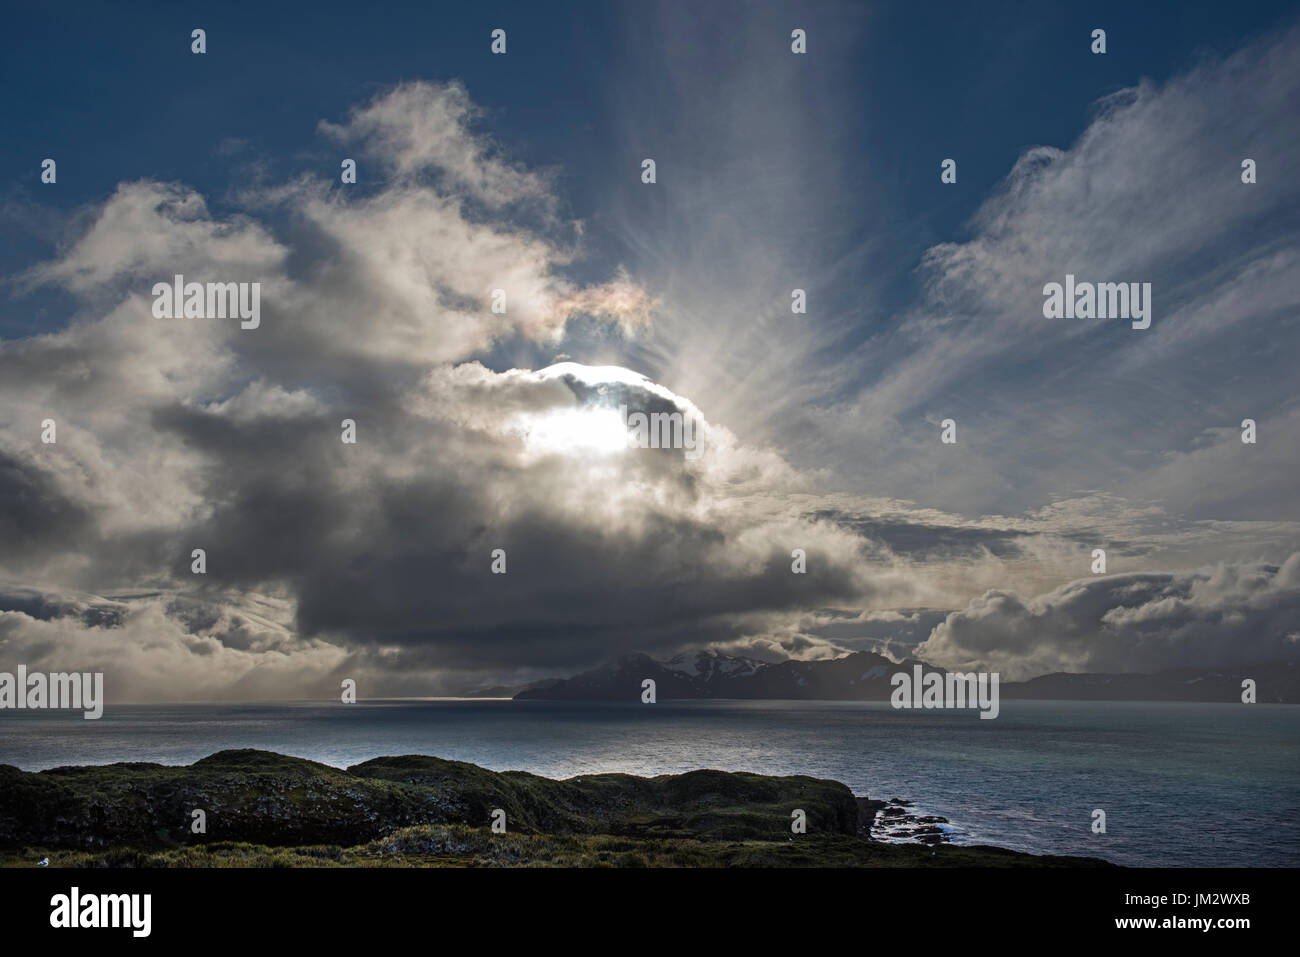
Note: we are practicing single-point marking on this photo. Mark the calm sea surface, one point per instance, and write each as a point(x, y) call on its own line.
point(1181, 784)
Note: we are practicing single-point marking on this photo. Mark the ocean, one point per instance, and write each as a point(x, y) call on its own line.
point(1181, 784)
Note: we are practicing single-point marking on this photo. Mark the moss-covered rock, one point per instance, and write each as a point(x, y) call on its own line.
point(270, 799)
point(268, 810)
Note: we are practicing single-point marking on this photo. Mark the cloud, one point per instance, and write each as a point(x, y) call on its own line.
point(374, 560)
point(147, 652)
point(1231, 614)
point(1151, 191)
point(188, 433)
point(145, 227)
point(425, 128)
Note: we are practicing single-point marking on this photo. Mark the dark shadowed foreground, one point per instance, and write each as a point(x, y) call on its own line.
point(266, 809)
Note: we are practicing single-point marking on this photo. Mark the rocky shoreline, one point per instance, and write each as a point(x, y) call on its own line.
point(894, 821)
point(257, 808)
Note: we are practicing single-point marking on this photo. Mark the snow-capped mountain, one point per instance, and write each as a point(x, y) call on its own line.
point(707, 674)
point(865, 676)
point(709, 665)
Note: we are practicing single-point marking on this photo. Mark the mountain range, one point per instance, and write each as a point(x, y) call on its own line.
point(865, 676)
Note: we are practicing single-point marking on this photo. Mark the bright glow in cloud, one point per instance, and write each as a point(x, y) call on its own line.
point(573, 431)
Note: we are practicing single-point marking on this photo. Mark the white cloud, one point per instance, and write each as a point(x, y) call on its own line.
point(1229, 614)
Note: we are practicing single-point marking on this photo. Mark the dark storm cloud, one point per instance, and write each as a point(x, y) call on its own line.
point(377, 557)
point(36, 519)
point(91, 611)
point(930, 541)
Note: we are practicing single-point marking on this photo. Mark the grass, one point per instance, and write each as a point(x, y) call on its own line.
point(460, 846)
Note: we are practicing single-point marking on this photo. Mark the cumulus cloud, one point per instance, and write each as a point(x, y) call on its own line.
point(150, 652)
point(183, 434)
point(373, 560)
point(1226, 615)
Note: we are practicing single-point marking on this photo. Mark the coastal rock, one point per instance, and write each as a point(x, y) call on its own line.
point(271, 799)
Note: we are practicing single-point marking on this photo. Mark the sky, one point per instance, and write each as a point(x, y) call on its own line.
point(478, 430)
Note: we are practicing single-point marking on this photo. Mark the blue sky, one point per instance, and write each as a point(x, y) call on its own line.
point(775, 171)
point(115, 94)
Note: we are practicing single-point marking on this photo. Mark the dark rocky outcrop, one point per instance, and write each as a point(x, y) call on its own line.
point(271, 799)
